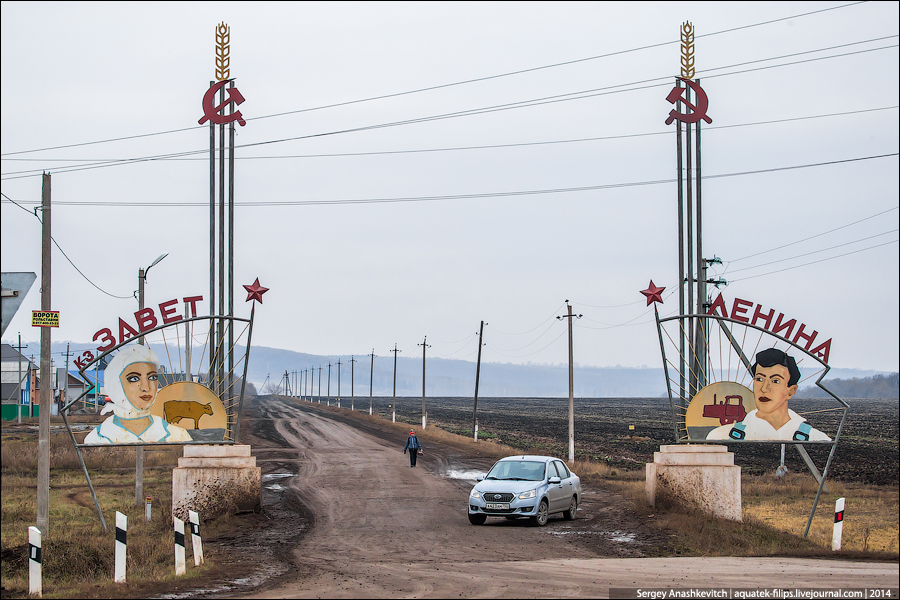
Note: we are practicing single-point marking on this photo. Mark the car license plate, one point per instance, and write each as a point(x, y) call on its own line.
point(497, 506)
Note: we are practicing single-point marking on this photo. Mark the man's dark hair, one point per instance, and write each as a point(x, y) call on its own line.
point(774, 356)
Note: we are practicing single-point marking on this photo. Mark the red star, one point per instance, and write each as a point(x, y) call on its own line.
point(255, 291)
point(653, 293)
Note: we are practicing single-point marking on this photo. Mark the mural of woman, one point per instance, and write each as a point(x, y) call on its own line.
point(132, 382)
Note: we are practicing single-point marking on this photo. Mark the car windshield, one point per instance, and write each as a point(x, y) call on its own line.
point(517, 470)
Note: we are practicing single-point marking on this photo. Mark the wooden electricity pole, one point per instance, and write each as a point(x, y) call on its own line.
point(477, 377)
point(424, 345)
point(394, 400)
point(339, 382)
point(43, 476)
point(569, 316)
point(352, 360)
point(371, 377)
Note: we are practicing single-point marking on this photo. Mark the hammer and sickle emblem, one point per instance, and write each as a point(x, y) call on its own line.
point(698, 112)
point(213, 113)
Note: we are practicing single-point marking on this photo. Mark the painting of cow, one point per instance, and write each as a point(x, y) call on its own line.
point(176, 410)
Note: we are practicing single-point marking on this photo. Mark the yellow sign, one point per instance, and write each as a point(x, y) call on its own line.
point(45, 318)
point(631, 428)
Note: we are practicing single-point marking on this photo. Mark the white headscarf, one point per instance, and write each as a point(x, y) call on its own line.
point(120, 404)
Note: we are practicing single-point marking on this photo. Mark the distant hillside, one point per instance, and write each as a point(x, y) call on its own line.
point(877, 386)
point(456, 378)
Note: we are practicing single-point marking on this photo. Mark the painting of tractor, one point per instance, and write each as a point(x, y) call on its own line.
point(726, 412)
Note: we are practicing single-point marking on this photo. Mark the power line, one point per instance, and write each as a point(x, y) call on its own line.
point(815, 251)
point(484, 147)
point(815, 236)
point(86, 278)
point(468, 196)
point(581, 95)
point(458, 83)
point(814, 262)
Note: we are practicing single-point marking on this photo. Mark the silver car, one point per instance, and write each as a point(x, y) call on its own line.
point(532, 487)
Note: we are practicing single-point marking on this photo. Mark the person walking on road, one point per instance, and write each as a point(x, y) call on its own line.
point(414, 447)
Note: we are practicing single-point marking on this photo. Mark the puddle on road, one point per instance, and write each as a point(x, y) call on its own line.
point(228, 588)
point(276, 476)
point(468, 475)
point(615, 536)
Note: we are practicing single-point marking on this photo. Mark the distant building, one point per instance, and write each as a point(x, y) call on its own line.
point(17, 380)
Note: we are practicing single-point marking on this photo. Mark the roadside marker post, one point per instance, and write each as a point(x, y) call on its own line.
point(196, 542)
point(179, 546)
point(121, 544)
point(838, 525)
point(147, 504)
point(34, 561)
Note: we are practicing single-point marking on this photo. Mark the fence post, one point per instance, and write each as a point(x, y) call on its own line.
point(179, 546)
point(838, 524)
point(196, 542)
point(34, 561)
point(121, 544)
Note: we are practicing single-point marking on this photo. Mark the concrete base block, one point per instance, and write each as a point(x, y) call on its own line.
point(699, 477)
point(216, 480)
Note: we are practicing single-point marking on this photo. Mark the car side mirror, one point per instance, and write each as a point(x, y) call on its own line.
point(479, 478)
point(553, 480)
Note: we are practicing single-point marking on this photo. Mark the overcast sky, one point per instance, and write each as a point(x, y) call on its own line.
point(471, 217)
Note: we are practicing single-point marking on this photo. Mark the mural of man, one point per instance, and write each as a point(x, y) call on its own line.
point(775, 379)
point(133, 383)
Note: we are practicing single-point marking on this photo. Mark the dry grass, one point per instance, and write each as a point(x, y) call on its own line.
point(78, 556)
point(775, 513)
point(870, 513)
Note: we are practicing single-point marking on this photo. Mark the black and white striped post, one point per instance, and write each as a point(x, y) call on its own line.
point(34, 561)
point(179, 546)
point(196, 542)
point(121, 544)
point(838, 525)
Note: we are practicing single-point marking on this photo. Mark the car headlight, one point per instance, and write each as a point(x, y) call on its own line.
point(475, 494)
point(527, 495)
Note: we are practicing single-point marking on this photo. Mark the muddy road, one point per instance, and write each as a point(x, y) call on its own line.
point(344, 516)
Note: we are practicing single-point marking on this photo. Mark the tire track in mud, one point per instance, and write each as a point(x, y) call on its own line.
point(260, 550)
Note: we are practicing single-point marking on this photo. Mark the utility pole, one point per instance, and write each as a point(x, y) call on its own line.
point(65, 394)
point(320, 385)
point(371, 376)
point(328, 384)
point(424, 345)
point(139, 450)
point(477, 376)
point(339, 382)
point(43, 476)
point(19, 386)
point(352, 360)
point(394, 402)
point(569, 316)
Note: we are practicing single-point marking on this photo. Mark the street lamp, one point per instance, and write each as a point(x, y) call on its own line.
point(139, 450)
point(142, 277)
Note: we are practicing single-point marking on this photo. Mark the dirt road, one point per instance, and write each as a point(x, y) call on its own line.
point(346, 517)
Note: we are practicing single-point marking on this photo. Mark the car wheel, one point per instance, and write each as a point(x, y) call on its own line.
point(476, 519)
point(543, 513)
point(573, 506)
